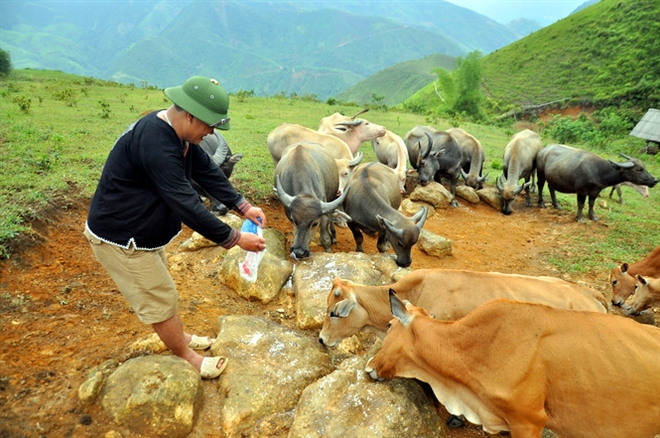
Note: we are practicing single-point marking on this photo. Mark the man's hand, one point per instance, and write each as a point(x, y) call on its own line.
point(256, 215)
point(252, 242)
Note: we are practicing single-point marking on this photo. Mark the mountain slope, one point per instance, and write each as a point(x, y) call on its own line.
point(397, 82)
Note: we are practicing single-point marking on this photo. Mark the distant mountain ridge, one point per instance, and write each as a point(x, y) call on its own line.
point(303, 47)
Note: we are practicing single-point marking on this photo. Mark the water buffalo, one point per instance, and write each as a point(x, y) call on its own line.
point(217, 148)
point(436, 155)
point(373, 204)
point(288, 133)
point(571, 170)
point(391, 151)
point(519, 163)
point(306, 182)
point(473, 158)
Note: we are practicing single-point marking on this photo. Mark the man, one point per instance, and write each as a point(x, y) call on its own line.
point(143, 196)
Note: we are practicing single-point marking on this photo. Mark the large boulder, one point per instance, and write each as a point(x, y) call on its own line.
point(433, 193)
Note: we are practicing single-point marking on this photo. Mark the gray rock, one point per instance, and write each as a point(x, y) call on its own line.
point(269, 367)
point(433, 193)
point(468, 193)
point(313, 279)
point(492, 197)
point(433, 244)
point(348, 403)
point(156, 396)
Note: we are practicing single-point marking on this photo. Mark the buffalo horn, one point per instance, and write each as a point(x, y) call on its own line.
point(624, 165)
point(627, 157)
point(420, 217)
point(430, 146)
point(355, 161)
point(520, 189)
point(499, 182)
point(483, 178)
point(329, 207)
point(464, 175)
point(285, 198)
point(360, 112)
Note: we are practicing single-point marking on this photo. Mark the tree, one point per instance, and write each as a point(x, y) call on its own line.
point(460, 90)
point(5, 62)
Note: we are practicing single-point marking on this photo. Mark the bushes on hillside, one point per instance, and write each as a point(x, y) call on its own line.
point(5, 62)
point(607, 124)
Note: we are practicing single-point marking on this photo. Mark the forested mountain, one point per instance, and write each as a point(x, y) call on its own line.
point(306, 47)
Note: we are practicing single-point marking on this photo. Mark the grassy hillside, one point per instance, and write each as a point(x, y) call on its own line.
point(57, 130)
point(607, 54)
point(398, 82)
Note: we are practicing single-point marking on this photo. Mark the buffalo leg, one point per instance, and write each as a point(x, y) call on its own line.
point(540, 180)
point(580, 207)
point(357, 235)
point(553, 196)
point(452, 189)
point(383, 245)
point(528, 194)
point(326, 239)
point(592, 215)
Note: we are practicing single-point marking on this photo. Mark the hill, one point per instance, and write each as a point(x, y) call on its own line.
point(397, 82)
point(311, 47)
point(605, 54)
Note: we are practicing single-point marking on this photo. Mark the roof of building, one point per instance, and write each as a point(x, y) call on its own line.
point(649, 127)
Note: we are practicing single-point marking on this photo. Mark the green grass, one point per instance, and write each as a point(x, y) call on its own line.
point(57, 148)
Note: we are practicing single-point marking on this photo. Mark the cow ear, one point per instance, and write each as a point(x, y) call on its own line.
point(641, 279)
point(399, 309)
point(624, 268)
point(343, 308)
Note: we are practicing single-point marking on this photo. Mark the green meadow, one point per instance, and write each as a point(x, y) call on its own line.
point(56, 130)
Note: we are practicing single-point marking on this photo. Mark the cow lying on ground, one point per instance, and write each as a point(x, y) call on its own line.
point(623, 279)
point(519, 162)
point(647, 294)
point(351, 130)
point(571, 170)
point(217, 148)
point(447, 294)
point(373, 205)
point(520, 367)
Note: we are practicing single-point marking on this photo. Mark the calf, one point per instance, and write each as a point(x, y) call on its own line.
point(437, 155)
point(217, 148)
point(520, 367)
point(373, 207)
point(306, 182)
point(642, 190)
point(391, 151)
point(623, 280)
point(473, 158)
point(519, 163)
point(447, 294)
point(647, 294)
point(351, 130)
point(570, 170)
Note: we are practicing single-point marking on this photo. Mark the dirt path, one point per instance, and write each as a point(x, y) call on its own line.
point(61, 314)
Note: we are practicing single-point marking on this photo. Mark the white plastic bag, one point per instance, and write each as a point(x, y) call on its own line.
point(250, 266)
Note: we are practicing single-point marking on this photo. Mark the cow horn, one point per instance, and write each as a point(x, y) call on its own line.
point(624, 165)
point(464, 175)
point(499, 182)
point(420, 217)
point(360, 112)
point(520, 189)
point(483, 178)
point(355, 161)
point(357, 122)
point(285, 198)
point(329, 207)
point(627, 157)
point(430, 146)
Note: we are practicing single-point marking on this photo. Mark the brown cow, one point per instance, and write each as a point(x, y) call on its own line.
point(520, 367)
point(623, 279)
point(647, 294)
point(448, 294)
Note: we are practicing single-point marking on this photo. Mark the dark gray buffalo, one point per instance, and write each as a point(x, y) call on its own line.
point(306, 180)
point(217, 148)
point(571, 170)
point(373, 204)
point(436, 155)
point(519, 163)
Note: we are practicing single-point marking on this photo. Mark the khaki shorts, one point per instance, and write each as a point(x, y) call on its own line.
point(141, 277)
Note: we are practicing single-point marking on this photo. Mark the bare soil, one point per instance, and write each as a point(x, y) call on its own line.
point(61, 315)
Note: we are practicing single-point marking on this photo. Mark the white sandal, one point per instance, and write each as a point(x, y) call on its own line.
point(201, 342)
point(210, 370)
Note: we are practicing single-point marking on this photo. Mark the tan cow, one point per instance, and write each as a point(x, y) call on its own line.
point(520, 367)
point(623, 279)
point(391, 151)
point(288, 134)
point(647, 294)
point(351, 130)
point(473, 157)
point(447, 294)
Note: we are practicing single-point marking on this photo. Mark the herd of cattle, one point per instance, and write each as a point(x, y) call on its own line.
point(509, 352)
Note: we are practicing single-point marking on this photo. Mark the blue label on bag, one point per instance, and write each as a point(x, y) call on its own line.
point(249, 227)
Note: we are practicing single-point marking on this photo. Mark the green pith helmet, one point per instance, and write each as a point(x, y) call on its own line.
point(204, 98)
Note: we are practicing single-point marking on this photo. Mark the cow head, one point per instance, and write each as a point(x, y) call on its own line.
point(508, 192)
point(344, 316)
point(428, 161)
point(634, 171)
point(306, 212)
point(394, 355)
point(346, 169)
point(647, 294)
point(403, 235)
point(623, 284)
point(474, 181)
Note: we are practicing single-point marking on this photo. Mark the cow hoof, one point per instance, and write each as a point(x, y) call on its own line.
point(454, 422)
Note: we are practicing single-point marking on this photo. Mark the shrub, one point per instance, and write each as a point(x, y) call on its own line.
point(23, 103)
